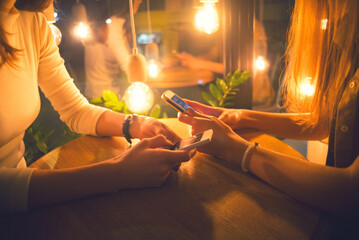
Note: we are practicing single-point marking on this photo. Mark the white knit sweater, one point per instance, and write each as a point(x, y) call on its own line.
point(39, 65)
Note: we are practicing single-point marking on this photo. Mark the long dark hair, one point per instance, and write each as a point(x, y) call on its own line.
point(7, 52)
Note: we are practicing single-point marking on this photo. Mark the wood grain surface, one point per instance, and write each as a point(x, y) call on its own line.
point(205, 199)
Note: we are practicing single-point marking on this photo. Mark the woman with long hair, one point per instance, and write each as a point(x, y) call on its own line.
point(322, 49)
point(29, 58)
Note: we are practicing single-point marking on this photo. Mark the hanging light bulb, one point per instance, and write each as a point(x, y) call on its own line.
point(207, 17)
point(306, 88)
point(260, 63)
point(139, 98)
point(154, 67)
point(82, 31)
point(79, 15)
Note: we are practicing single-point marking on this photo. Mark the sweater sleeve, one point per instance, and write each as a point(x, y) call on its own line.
point(14, 184)
point(59, 88)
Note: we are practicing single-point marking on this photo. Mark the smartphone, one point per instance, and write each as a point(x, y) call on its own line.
point(194, 141)
point(175, 101)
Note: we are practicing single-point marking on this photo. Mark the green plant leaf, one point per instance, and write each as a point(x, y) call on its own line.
point(221, 85)
point(111, 104)
point(126, 110)
point(209, 99)
point(215, 92)
point(227, 104)
point(108, 95)
point(42, 146)
point(97, 100)
point(155, 111)
point(119, 106)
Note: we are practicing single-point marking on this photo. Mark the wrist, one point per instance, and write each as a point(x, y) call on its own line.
point(236, 148)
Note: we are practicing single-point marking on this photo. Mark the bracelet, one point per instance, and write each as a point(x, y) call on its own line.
point(126, 128)
point(245, 155)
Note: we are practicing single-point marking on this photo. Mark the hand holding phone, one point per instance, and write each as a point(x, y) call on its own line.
point(175, 101)
point(192, 142)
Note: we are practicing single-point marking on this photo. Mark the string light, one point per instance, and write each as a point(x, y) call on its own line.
point(260, 63)
point(306, 88)
point(153, 68)
point(324, 24)
point(82, 30)
point(207, 17)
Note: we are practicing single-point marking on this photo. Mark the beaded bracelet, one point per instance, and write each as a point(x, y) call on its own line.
point(245, 155)
point(126, 128)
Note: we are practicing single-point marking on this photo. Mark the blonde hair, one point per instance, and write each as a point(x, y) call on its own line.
point(8, 54)
point(321, 51)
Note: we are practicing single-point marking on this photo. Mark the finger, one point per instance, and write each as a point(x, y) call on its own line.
point(169, 134)
point(176, 156)
point(193, 113)
point(204, 108)
point(159, 141)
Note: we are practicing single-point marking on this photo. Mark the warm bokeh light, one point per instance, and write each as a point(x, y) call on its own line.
point(154, 68)
point(260, 63)
point(207, 17)
point(82, 30)
point(56, 33)
point(307, 88)
point(324, 24)
point(108, 20)
point(139, 98)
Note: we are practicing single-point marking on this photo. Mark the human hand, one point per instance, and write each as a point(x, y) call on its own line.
point(225, 143)
point(190, 61)
point(148, 163)
point(231, 117)
point(145, 127)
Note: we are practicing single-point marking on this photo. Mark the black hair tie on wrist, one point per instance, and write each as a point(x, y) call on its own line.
point(126, 128)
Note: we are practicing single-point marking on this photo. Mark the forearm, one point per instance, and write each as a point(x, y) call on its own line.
point(54, 186)
point(212, 66)
point(282, 125)
point(110, 124)
point(331, 189)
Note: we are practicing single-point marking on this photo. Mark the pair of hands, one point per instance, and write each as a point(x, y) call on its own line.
point(225, 142)
point(149, 162)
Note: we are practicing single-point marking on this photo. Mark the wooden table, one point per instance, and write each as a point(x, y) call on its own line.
point(205, 199)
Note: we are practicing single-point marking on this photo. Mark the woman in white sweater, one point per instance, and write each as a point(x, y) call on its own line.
point(29, 59)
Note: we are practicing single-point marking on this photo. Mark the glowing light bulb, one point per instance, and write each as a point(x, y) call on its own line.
point(324, 24)
point(108, 20)
point(56, 33)
point(260, 63)
point(139, 98)
point(207, 17)
point(82, 30)
point(154, 68)
point(306, 88)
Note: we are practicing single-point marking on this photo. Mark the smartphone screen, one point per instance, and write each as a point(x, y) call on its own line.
point(180, 102)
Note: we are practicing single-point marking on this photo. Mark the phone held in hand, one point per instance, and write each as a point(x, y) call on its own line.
point(175, 101)
point(194, 141)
